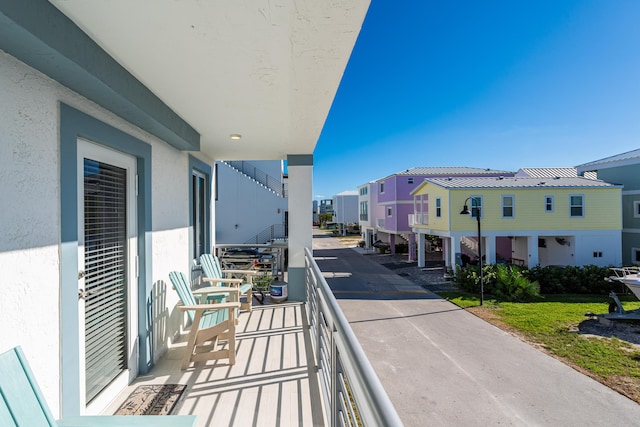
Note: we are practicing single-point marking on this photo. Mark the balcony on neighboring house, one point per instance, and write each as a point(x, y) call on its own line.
point(381, 223)
point(418, 219)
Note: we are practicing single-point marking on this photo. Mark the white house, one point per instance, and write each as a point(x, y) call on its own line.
point(251, 201)
point(112, 115)
point(345, 207)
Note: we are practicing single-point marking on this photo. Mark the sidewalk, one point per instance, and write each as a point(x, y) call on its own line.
point(444, 366)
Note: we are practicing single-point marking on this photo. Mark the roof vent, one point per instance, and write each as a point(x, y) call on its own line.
point(449, 179)
point(557, 177)
point(501, 177)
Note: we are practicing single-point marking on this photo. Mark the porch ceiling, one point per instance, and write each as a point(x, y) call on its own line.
point(267, 70)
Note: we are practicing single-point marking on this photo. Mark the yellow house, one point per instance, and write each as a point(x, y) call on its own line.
point(523, 220)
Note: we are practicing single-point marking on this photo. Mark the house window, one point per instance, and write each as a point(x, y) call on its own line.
point(389, 211)
point(438, 207)
point(200, 212)
point(548, 203)
point(507, 206)
point(410, 180)
point(382, 187)
point(597, 254)
point(636, 209)
point(576, 205)
point(476, 204)
point(635, 256)
point(364, 211)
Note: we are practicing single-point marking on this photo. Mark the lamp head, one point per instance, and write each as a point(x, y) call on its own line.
point(465, 210)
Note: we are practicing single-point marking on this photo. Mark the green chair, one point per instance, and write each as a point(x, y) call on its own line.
point(211, 324)
point(22, 403)
point(214, 273)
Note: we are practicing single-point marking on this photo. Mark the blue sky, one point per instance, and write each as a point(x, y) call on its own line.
point(491, 84)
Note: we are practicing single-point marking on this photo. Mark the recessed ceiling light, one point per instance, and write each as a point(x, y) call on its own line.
point(235, 136)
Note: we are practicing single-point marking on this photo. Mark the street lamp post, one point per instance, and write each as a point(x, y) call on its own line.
point(465, 211)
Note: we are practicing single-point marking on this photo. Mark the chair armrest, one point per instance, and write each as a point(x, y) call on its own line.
point(217, 280)
point(206, 307)
point(216, 290)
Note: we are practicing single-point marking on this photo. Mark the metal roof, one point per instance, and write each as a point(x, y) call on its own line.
point(630, 157)
point(519, 182)
point(447, 171)
point(553, 172)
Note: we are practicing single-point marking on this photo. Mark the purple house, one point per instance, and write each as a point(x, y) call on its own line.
point(386, 204)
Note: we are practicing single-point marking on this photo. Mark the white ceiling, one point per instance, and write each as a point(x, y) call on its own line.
point(267, 70)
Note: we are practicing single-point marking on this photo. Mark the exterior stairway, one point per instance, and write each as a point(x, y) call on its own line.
point(270, 183)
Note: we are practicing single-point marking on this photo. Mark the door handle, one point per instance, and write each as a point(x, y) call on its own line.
point(83, 294)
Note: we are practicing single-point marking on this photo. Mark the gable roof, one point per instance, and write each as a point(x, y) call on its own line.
point(515, 182)
point(624, 159)
point(447, 171)
point(553, 172)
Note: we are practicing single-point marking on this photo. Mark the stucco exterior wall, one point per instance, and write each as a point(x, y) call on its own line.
point(31, 218)
point(170, 239)
point(245, 204)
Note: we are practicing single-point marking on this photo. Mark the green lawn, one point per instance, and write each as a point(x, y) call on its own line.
point(553, 320)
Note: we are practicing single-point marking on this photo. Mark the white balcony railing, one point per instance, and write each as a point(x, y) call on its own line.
point(418, 219)
point(381, 222)
point(352, 392)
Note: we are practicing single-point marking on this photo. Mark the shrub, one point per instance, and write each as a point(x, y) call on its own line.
point(589, 279)
point(468, 278)
point(512, 285)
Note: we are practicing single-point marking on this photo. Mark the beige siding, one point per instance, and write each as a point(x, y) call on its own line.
point(602, 209)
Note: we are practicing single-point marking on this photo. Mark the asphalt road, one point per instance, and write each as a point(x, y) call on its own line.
point(443, 366)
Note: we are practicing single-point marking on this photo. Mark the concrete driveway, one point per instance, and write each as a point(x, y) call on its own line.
point(444, 366)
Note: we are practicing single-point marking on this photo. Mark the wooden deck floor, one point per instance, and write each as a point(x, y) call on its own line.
point(273, 382)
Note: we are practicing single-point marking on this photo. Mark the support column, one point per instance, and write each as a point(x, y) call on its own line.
point(532, 249)
point(412, 247)
point(392, 243)
point(454, 251)
point(446, 252)
point(489, 250)
point(300, 168)
point(421, 261)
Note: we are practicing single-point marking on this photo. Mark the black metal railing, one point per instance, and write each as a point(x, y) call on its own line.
point(273, 184)
point(273, 232)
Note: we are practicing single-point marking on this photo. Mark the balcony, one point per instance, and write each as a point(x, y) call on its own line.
point(418, 219)
point(298, 364)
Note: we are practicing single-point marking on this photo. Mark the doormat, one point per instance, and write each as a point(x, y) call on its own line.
point(152, 400)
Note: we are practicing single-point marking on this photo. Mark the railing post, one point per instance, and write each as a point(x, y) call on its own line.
point(334, 380)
